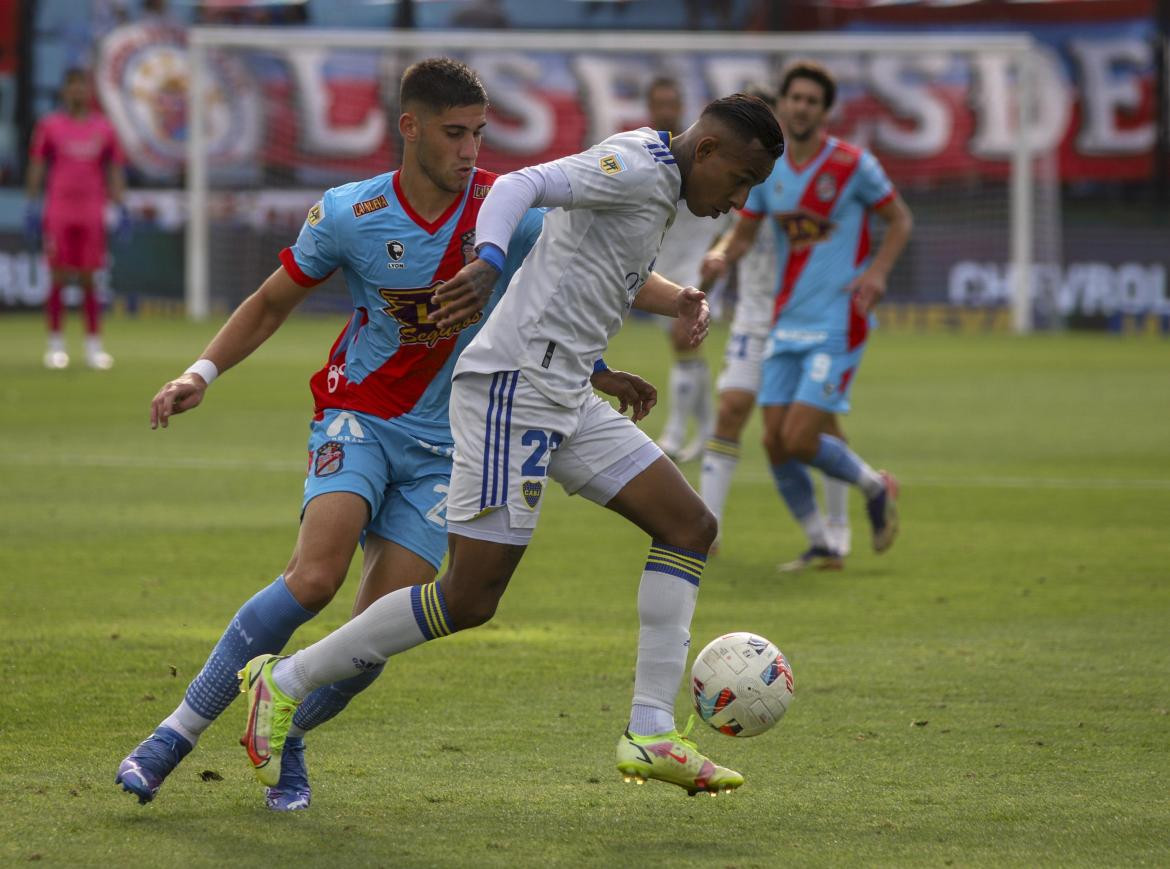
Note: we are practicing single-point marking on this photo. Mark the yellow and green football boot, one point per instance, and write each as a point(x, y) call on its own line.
point(270, 713)
point(673, 758)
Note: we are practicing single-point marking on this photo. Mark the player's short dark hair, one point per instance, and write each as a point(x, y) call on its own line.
point(751, 118)
point(439, 83)
point(814, 72)
point(74, 73)
point(663, 81)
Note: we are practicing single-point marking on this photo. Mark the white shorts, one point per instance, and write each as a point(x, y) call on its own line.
point(509, 439)
point(741, 362)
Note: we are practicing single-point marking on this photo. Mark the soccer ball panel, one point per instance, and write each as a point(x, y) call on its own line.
point(741, 684)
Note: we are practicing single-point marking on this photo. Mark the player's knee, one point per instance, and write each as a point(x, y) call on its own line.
point(313, 585)
point(470, 608)
point(774, 446)
point(799, 440)
point(695, 529)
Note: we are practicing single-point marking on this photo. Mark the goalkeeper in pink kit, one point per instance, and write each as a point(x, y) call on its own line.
point(78, 151)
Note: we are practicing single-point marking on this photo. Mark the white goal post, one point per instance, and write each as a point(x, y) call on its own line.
point(209, 45)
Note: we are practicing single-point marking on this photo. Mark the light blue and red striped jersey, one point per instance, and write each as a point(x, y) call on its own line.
point(820, 216)
point(391, 360)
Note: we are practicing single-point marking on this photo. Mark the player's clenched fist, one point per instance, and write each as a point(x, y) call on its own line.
point(465, 294)
point(179, 395)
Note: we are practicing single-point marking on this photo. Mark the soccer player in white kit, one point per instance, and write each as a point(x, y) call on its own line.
point(522, 411)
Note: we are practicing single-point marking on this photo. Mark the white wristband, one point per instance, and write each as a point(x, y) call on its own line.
point(205, 368)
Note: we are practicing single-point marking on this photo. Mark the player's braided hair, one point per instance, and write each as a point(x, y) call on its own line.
point(439, 83)
point(751, 118)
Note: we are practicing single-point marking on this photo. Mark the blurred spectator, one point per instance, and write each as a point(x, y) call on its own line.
point(76, 152)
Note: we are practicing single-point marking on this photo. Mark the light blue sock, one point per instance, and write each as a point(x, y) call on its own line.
point(836, 459)
point(325, 703)
point(796, 487)
point(263, 624)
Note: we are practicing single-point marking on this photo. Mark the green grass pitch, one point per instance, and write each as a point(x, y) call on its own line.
point(994, 691)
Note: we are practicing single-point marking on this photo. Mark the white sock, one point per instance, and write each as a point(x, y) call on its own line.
point(187, 722)
point(93, 345)
point(870, 482)
point(666, 601)
point(720, 459)
point(650, 720)
point(387, 627)
point(836, 500)
point(56, 342)
point(814, 528)
point(678, 411)
point(702, 406)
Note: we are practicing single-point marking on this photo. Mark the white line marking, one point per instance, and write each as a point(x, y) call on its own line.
point(747, 475)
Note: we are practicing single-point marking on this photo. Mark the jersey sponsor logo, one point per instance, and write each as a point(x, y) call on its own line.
point(611, 164)
point(349, 422)
point(467, 246)
point(412, 308)
point(532, 490)
point(805, 228)
point(315, 214)
point(360, 209)
point(480, 191)
point(329, 459)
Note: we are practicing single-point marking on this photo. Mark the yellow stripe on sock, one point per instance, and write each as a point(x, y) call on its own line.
point(442, 622)
point(723, 448)
point(677, 565)
point(426, 612)
point(697, 562)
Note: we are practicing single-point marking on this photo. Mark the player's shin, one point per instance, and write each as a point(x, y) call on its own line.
point(327, 702)
point(836, 459)
point(399, 621)
point(263, 624)
point(796, 488)
point(666, 603)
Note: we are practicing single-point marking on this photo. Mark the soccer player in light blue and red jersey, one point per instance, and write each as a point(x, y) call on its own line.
point(380, 444)
point(819, 199)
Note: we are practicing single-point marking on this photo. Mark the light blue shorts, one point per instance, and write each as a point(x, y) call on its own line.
point(402, 478)
point(820, 375)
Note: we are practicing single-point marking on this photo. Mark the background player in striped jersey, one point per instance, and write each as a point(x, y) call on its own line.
point(522, 412)
point(688, 394)
point(739, 381)
point(380, 444)
point(819, 197)
point(78, 150)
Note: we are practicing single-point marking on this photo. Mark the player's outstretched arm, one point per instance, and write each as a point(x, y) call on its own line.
point(252, 323)
point(728, 250)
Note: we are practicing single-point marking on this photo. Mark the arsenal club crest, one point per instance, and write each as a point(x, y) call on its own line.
point(531, 490)
point(329, 459)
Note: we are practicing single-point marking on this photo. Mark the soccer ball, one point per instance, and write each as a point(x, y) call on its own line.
point(741, 684)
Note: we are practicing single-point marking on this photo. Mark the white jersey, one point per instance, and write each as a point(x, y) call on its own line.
point(686, 243)
point(576, 286)
point(757, 287)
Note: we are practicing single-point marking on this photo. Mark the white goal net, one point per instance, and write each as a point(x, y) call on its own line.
point(278, 115)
